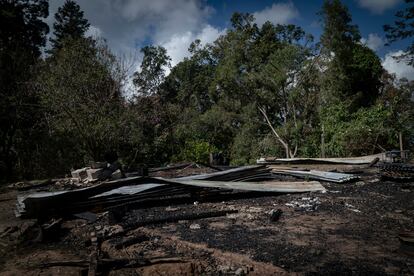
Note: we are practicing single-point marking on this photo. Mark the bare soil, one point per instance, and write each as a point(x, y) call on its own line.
point(350, 230)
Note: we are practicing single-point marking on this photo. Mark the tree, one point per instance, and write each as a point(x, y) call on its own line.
point(22, 35)
point(398, 97)
point(339, 35)
point(352, 71)
point(403, 28)
point(152, 71)
point(80, 88)
point(189, 81)
point(338, 40)
point(286, 95)
point(350, 82)
point(69, 24)
point(365, 71)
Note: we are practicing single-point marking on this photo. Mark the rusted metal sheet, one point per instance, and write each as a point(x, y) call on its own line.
point(318, 175)
point(346, 160)
point(124, 190)
point(229, 175)
point(268, 186)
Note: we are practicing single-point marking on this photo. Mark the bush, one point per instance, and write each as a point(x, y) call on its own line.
point(196, 151)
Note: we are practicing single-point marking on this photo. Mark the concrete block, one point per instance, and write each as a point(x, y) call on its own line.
point(99, 165)
point(116, 174)
point(94, 174)
point(80, 173)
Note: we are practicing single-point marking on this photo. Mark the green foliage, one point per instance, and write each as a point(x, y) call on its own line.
point(403, 28)
point(80, 91)
point(69, 24)
point(398, 98)
point(353, 71)
point(256, 91)
point(22, 34)
point(196, 151)
point(152, 72)
point(339, 35)
point(365, 72)
point(350, 134)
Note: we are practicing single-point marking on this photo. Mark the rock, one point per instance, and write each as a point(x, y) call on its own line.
point(110, 230)
point(80, 174)
point(195, 226)
point(172, 209)
point(239, 271)
point(94, 174)
point(116, 174)
point(254, 210)
point(223, 268)
point(352, 208)
point(275, 214)
point(305, 203)
point(233, 216)
point(98, 165)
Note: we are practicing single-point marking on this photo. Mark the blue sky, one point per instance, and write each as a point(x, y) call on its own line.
point(128, 25)
point(369, 17)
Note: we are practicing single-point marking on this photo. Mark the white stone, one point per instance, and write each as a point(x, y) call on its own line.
point(116, 174)
point(94, 174)
point(195, 226)
point(80, 174)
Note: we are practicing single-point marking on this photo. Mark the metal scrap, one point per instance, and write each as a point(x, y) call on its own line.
point(318, 175)
point(347, 160)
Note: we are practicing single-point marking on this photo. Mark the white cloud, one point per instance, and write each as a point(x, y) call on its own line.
point(94, 32)
point(177, 45)
point(374, 42)
point(378, 6)
point(400, 69)
point(128, 25)
point(278, 13)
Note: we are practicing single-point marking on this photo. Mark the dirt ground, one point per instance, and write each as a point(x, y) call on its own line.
point(352, 229)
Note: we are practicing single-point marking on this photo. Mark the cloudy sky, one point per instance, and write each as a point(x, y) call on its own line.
point(130, 24)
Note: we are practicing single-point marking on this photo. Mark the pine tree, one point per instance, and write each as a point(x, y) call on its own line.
point(69, 24)
point(22, 36)
point(353, 69)
point(339, 34)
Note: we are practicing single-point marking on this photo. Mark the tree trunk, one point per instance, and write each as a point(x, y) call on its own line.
point(323, 142)
point(401, 145)
point(284, 144)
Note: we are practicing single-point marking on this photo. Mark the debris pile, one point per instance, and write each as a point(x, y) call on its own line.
point(98, 171)
point(305, 203)
point(318, 175)
point(396, 171)
point(362, 160)
point(115, 215)
point(142, 191)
